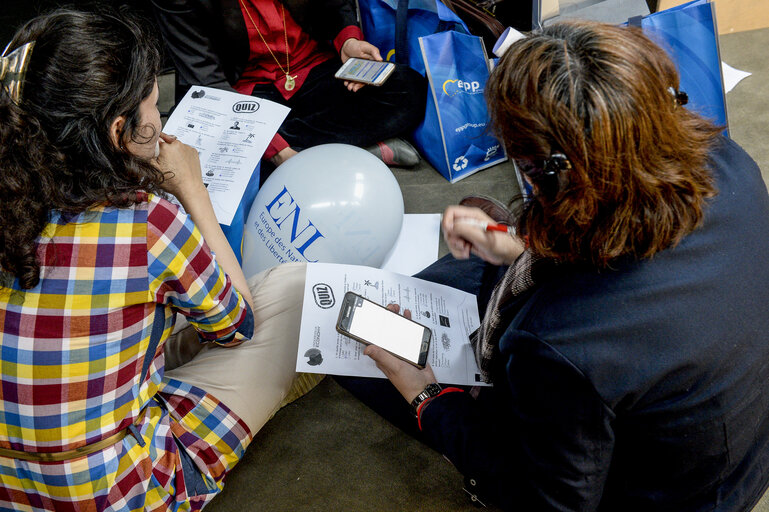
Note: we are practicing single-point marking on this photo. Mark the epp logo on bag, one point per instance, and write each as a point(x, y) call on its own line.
point(460, 163)
point(454, 87)
point(323, 295)
point(245, 107)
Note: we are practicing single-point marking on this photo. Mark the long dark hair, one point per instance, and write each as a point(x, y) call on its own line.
point(56, 152)
point(605, 97)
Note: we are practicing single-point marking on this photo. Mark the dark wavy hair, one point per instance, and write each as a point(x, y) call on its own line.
point(603, 96)
point(56, 152)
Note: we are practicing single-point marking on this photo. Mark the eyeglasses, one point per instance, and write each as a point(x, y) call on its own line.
point(545, 174)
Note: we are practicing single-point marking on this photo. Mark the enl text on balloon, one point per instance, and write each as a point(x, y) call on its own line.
point(279, 209)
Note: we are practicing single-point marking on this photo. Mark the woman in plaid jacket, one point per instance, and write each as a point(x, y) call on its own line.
point(96, 265)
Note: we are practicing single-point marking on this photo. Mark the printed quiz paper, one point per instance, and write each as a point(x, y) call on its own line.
point(231, 131)
point(451, 314)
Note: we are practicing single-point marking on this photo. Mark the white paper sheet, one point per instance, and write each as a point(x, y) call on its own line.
point(732, 76)
point(451, 314)
point(231, 131)
point(417, 245)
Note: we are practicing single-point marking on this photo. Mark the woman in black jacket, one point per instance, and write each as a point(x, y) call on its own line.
point(628, 339)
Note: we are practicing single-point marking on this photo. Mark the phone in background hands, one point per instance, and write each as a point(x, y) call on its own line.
point(370, 323)
point(371, 72)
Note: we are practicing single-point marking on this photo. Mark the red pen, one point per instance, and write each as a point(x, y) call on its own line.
point(488, 226)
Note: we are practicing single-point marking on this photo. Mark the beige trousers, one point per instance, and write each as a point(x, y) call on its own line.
point(257, 377)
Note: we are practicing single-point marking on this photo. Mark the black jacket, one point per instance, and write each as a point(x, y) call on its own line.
point(644, 387)
point(209, 42)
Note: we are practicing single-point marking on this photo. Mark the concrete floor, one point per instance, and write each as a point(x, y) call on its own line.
point(328, 452)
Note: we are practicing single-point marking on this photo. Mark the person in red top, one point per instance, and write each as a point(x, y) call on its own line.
point(288, 51)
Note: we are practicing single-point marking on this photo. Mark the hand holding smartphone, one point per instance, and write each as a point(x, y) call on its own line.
point(370, 323)
point(364, 71)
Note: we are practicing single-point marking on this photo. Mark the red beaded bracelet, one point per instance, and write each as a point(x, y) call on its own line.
point(421, 406)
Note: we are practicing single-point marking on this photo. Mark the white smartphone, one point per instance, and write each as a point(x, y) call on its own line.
point(370, 323)
point(371, 72)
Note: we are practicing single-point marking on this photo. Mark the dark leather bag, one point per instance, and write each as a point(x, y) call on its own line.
point(480, 21)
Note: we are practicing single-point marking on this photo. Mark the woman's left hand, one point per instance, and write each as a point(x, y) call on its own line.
point(407, 378)
point(283, 155)
point(361, 50)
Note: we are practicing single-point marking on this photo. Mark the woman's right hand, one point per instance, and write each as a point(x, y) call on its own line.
point(464, 238)
point(181, 165)
point(184, 179)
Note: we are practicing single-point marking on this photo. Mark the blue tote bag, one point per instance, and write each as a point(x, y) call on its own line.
point(688, 33)
point(454, 136)
point(234, 232)
point(432, 39)
point(394, 26)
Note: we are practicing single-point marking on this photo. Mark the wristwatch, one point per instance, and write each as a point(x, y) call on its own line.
point(430, 391)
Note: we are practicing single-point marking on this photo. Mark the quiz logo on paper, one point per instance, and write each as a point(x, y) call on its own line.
point(245, 107)
point(323, 295)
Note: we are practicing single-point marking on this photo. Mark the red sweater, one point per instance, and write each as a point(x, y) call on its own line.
point(303, 53)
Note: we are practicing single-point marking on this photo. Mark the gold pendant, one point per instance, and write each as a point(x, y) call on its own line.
point(290, 83)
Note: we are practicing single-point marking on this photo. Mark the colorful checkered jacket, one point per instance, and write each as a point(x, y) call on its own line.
point(71, 356)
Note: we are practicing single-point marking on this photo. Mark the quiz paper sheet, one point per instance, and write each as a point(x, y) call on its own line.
point(231, 131)
point(450, 314)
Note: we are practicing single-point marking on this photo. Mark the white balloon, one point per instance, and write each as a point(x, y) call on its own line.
point(333, 203)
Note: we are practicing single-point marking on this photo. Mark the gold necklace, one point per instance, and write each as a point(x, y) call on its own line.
point(290, 80)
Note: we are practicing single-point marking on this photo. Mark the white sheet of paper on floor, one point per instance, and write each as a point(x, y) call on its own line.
point(732, 76)
point(417, 245)
point(231, 131)
point(451, 314)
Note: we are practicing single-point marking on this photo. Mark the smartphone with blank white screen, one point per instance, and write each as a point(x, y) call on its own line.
point(370, 323)
point(371, 72)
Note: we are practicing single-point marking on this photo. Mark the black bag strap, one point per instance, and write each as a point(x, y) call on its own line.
point(401, 32)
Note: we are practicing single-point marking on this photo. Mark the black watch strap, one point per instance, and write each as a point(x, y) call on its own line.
point(430, 391)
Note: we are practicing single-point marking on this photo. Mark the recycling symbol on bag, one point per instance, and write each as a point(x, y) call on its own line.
point(460, 163)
